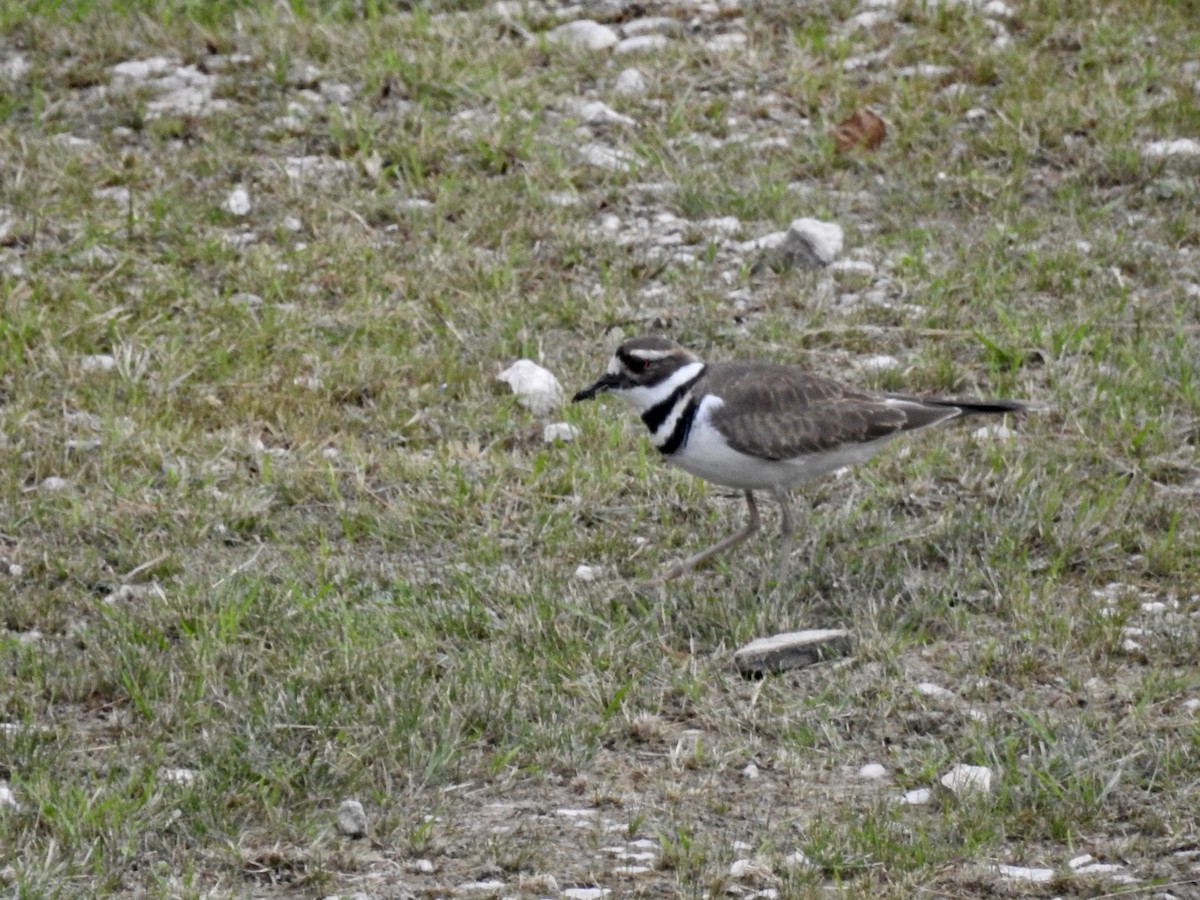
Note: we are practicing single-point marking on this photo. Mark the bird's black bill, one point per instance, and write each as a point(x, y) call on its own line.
point(604, 383)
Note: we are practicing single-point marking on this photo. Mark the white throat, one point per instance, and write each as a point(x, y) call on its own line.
point(646, 396)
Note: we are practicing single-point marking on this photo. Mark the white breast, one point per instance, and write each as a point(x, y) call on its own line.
point(708, 456)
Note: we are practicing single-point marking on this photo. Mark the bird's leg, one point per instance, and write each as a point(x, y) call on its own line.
point(733, 540)
point(787, 530)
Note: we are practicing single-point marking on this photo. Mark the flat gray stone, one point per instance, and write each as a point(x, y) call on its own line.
point(792, 650)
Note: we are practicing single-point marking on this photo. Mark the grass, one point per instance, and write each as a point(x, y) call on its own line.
point(309, 549)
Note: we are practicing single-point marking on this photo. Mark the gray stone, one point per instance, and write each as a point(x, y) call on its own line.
point(792, 650)
point(352, 819)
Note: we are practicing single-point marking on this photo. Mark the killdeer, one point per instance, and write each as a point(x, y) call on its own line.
point(760, 426)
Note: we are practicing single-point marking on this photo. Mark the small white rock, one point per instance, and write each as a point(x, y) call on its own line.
point(823, 240)
point(584, 572)
point(797, 860)
point(593, 112)
point(872, 772)
point(1077, 861)
point(7, 799)
point(583, 33)
point(54, 483)
point(98, 362)
point(1024, 873)
point(610, 158)
point(1179, 147)
point(1190, 705)
point(936, 691)
point(631, 81)
point(918, 797)
point(180, 777)
point(579, 893)
point(964, 780)
point(1098, 869)
point(138, 69)
point(424, 866)
point(559, 431)
point(652, 25)
point(352, 819)
point(723, 43)
point(643, 43)
point(480, 887)
point(16, 570)
point(881, 363)
point(238, 202)
point(993, 432)
point(750, 772)
point(536, 387)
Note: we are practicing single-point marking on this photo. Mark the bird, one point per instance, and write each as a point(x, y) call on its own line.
point(761, 426)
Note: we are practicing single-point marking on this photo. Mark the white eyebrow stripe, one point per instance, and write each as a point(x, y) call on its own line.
point(651, 355)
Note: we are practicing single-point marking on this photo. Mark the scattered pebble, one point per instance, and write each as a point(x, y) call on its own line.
point(1024, 873)
point(652, 25)
point(993, 433)
point(630, 82)
point(480, 887)
point(584, 572)
point(7, 799)
point(750, 772)
point(54, 483)
point(559, 431)
point(352, 819)
point(797, 860)
point(180, 777)
point(918, 797)
point(643, 43)
point(586, 893)
point(872, 772)
point(964, 780)
point(1180, 147)
point(935, 691)
point(1078, 861)
point(593, 112)
point(881, 363)
point(812, 244)
point(723, 43)
point(610, 158)
point(98, 362)
point(792, 650)
point(238, 202)
point(583, 34)
point(536, 387)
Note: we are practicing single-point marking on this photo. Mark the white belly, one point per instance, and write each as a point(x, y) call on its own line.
point(708, 457)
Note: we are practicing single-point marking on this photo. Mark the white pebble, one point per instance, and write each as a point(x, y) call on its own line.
point(98, 362)
point(1077, 861)
point(54, 483)
point(992, 432)
point(929, 689)
point(610, 158)
point(918, 797)
point(586, 893)
point(631, 81)
point(963, 780)
point(536, 388)
point(478, 887)
point(881, 363)
point(1099, 869)
point(872, 772)
point(1180, 147)
point(180, 777)
point(7, 799)
point(1024, 873)
point(584, 34)
point(238, 201)
point(584, 572)
point(424, 866)
point(750, 772)
point(641, 44)
point(593, 112)
point(559, 431)
point(798, 860)
point(352, 819)
point(723, 43)
point(823, 239)
point(16, 570)
point(1190, 705)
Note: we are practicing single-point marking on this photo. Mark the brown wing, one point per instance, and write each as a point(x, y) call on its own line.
point(780, 412)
